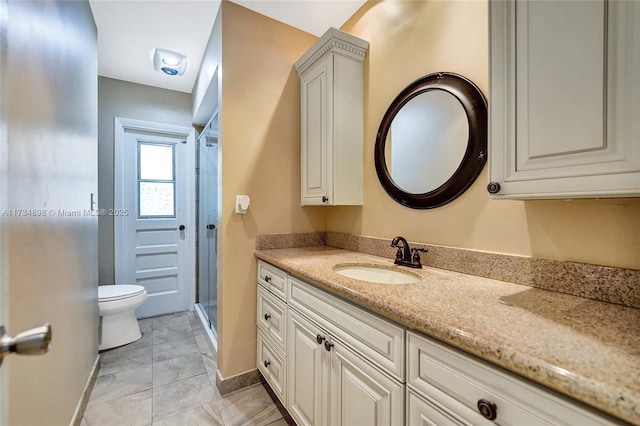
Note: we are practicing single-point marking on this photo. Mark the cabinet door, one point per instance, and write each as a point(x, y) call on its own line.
point(307, 370)
point(316, 149)
point(564, 98)
point(360, 394)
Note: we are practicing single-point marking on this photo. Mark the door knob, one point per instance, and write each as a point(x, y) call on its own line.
point(182, 227)
point(211, 226)
point(34, 341)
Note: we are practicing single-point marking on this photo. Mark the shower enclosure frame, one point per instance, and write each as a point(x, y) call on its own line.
point(208, 197)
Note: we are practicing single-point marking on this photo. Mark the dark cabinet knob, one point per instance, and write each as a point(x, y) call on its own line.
point(267, 317)
point(211, 226)
point(493, 188)
point(325, 199)
point(328, 345)
point(488, 409)
point(319, 339)
point(267, 363)
point(182, 227)
point(267, 278)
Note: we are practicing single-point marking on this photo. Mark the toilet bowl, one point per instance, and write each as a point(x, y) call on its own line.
point(117, 305)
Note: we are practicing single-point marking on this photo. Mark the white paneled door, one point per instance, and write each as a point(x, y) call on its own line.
point(152, 213)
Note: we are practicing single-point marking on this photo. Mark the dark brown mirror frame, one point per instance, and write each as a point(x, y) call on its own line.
point(475, 106)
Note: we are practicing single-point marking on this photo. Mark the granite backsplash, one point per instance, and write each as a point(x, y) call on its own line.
point(603, 283)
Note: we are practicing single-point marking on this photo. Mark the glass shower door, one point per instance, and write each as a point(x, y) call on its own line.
point(207, 223)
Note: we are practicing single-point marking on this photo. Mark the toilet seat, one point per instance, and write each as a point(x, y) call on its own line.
point(111, 293)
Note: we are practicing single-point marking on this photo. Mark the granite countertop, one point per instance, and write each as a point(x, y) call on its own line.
point(586, 349)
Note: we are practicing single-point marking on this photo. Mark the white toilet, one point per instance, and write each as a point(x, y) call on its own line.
point(117, 305)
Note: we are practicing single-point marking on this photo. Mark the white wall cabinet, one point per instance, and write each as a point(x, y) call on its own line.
point(331, 96)
point(565, 99)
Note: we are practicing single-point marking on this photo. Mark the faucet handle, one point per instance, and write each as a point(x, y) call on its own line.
point(415, 255)
point(399, 253)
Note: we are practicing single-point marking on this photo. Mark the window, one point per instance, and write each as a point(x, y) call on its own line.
point(156, 180)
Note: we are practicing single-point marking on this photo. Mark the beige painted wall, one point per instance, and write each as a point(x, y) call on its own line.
point(409, 39)
point(260, 148)
point(260, 128)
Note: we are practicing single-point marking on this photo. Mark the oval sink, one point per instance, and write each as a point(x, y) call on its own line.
point(376, 274)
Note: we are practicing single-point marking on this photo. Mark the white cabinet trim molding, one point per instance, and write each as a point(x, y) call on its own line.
point(336, 41)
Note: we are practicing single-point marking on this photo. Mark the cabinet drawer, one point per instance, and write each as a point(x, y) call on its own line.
point(374, 337)
point(273, 279)
point(434, 368)
point(272, 365)
point(271, 317)
point(428, 412)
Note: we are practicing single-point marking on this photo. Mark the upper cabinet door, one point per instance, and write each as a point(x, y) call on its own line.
point(316, 100)
point(331, 87)
point(565, 97)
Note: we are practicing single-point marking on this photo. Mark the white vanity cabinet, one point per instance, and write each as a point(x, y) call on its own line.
point(565, 99)
point(331, 97)
point(328, 361)
point(330, 382)
point(446, 386)
point(333, 363)
point(271, 320)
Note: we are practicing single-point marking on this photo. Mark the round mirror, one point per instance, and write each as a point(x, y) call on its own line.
point(432, 141)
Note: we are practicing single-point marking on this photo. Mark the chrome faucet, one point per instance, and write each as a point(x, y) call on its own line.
point(406, 256)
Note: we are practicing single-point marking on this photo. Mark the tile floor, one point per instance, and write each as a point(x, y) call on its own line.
point(168, 378)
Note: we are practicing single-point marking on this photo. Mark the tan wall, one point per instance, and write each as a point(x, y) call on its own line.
point(409, 39)
point(260, 149)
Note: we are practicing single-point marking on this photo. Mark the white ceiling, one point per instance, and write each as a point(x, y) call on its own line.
point(129, 29)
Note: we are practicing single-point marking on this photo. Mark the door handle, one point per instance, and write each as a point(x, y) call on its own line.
point(211, 226)
point(34, 341)
point(182, 227)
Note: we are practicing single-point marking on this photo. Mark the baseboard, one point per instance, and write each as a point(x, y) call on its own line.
point(232, 384)
point(86, 393)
